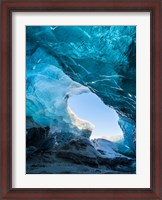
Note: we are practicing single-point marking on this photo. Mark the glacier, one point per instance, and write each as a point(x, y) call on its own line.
point(62, 61)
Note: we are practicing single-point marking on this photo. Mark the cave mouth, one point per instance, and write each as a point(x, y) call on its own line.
point(89, 106)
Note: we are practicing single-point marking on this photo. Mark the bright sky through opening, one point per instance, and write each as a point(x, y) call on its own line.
point(88, 106)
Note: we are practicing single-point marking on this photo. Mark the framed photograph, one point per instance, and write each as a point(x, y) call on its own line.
point(80, 99)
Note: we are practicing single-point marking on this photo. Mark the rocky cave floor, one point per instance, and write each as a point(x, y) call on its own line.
point(79, 156)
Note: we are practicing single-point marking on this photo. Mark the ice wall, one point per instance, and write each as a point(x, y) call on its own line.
point(64, 60)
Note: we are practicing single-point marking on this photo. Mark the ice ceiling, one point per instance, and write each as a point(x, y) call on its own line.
point(64, 61)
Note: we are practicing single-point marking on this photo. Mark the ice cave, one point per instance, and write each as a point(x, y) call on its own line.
point(63, 62)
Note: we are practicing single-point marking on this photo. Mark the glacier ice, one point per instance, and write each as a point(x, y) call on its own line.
point(48, 89)
point(62, 61)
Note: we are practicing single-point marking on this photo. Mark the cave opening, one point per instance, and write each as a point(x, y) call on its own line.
point(89, 106)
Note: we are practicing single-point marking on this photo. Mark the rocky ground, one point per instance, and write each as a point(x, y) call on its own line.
point(79, 156)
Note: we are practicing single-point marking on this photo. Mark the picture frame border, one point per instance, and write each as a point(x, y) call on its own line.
point(10, 6)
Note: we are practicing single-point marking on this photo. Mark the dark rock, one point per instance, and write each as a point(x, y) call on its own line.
point(82, 151)
point(36, 136)
point(30, 150)
point(47, 145)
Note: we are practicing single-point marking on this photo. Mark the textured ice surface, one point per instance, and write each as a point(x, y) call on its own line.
point(65, 60)
point(47, 91)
